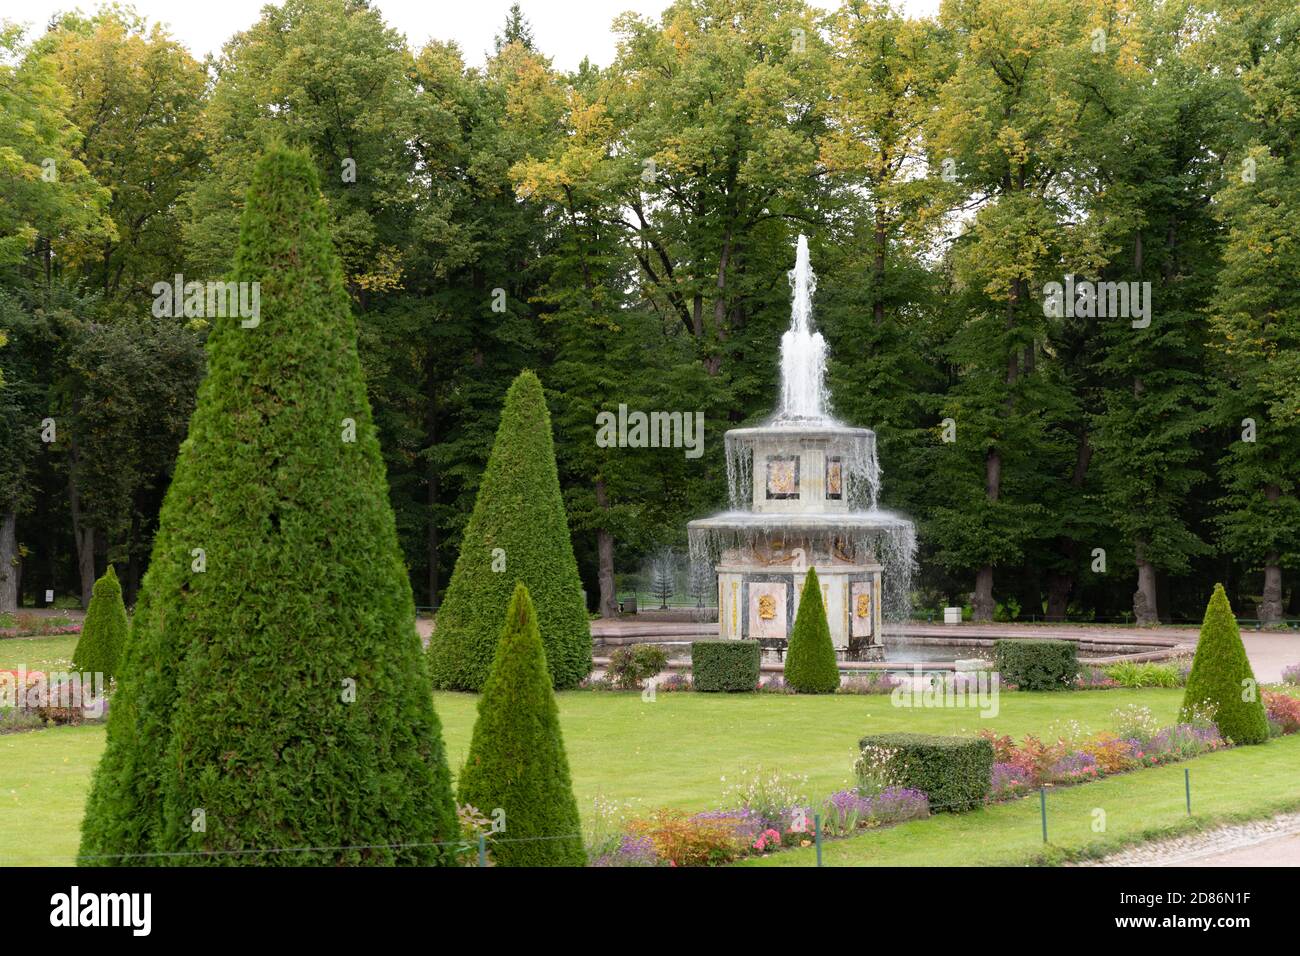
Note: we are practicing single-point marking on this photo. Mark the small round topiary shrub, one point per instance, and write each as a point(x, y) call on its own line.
point(810, 664)
point(1222, 680)
point(103, 635)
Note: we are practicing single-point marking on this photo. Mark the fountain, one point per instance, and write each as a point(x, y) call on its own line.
point(804, 492)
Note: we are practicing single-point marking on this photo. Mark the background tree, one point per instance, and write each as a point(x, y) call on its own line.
point(1255, 311)
point(138, 97)
point(1005, 129)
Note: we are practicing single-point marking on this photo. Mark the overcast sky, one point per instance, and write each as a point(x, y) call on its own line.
point(566, 30)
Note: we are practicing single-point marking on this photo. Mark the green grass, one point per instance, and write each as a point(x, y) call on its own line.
point(38, 653)
point(683, 750)
point(1237, 784)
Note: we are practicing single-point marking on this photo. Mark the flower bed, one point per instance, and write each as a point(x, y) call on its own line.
point(1170, 673)
point(1136, 742)
point(1283, 712)
point(30, 700)
point(27, 624)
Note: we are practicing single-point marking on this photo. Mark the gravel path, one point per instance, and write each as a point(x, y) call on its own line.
point(1274, 842)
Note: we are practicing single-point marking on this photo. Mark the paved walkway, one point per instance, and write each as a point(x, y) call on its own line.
point(1269, 651)
point(1271, 842)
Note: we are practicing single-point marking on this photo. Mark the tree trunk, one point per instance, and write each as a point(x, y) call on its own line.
point(1059, 587)
point(605, 552)
point(1145, 610)
point(9, 566)
point(982, 603)
point(82, 536)
point(1270, 608)
point(432, 536)
point(878, 270)
point(131, 586)
point(982, 599)
point(1061, 584)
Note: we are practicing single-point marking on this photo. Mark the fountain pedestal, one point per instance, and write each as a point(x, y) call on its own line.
point(760, 602)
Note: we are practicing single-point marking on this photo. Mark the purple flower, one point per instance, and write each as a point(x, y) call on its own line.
point(632, 851)
point(896, 804)
point(1008, 778)
point(1072, 765)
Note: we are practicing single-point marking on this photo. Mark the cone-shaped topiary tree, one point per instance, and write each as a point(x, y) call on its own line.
point(516, 756)
point(1222, 680)
point(103, 634)
point(810, 665)
point(518, 532)
point(273, 695)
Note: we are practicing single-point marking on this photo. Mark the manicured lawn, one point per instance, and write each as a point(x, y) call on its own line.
point(673, 752)
point(1243, 782)
point(677, 750)
point(38, 653)
point(683, 750)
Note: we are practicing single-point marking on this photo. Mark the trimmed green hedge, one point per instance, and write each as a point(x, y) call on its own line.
point(1035, 664)
point(725, 665)
point(955, 773)
point(1222, 678)
point(810, 663)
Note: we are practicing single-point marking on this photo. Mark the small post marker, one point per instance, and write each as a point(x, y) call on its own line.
point(817, 835)
point(1042, 803)
point(482, 850)
point(1187, 786)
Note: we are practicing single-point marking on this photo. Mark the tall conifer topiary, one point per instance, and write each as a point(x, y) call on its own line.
point(517, 532)
point(516, 756)
point(273, 696)
point(810, 664)
point(1222, 679)
point(103, 633)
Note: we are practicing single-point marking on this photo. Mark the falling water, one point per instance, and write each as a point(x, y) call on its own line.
point(803, 351)
point(864, 528)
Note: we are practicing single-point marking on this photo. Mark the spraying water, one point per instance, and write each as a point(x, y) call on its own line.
point(761, 529)
point(803, 351)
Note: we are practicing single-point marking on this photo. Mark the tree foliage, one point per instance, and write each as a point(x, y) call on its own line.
point(810, 663)
point(517, 533)
point(516, 760)
point(103, 633)
point(273, 679)
point(1222, 680)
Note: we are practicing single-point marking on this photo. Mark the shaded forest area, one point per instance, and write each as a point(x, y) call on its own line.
point(626, 232)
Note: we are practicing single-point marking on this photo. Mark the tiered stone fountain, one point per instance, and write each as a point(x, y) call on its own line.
point(804, 491)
